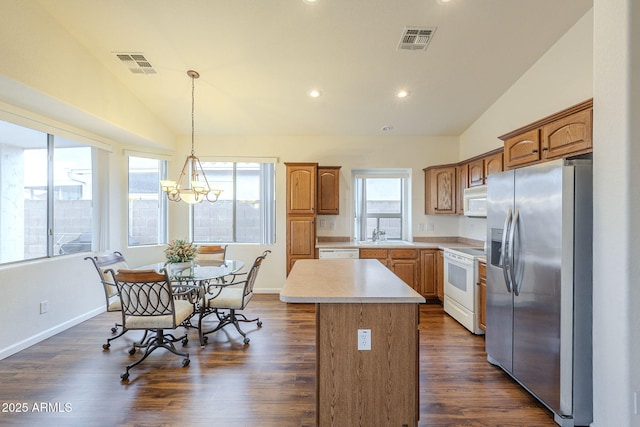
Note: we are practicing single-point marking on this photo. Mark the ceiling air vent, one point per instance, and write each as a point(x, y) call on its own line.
point(136, 63)
point(415, 38)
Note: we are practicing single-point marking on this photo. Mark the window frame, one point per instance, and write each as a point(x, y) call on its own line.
point(53, 140)
point(163, 203)
point(359, 177)
point(267, 176)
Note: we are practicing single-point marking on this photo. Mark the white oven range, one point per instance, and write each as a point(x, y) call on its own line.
point(460, 286)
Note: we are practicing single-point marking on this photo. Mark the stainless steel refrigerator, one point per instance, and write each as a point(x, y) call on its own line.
point(539, 283)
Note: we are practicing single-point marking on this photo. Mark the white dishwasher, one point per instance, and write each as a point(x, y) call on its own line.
point(338, 253)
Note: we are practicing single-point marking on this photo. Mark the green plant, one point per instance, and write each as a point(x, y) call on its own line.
point(180, 250)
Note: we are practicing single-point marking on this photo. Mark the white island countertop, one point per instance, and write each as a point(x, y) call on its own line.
point(345, 281)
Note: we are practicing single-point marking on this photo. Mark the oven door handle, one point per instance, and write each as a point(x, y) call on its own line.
point(504, 251)
point(512, 267)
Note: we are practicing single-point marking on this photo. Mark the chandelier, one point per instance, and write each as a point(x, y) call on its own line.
point(195, 190)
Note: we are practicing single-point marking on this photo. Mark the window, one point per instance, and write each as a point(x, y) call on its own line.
point(46, 194)
point(147, 203)
point(381, 202)
point(245, 211)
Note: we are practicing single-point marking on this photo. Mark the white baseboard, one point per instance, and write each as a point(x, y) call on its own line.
point(6, 352)
point(266, 290)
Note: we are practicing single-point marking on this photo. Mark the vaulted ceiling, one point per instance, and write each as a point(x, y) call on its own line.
point(258, 59)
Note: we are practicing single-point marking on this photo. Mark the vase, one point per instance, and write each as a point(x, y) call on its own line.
point(184, 268)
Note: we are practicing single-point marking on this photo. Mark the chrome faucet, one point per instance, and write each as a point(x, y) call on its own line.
point(376, 235)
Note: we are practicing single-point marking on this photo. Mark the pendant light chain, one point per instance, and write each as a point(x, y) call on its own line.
point(193, 104)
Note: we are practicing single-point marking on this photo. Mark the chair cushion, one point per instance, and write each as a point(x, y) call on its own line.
point(184, 309)
point(114, 304)
point(230, 297)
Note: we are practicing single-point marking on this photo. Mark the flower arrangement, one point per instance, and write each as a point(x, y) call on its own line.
point(180, 251)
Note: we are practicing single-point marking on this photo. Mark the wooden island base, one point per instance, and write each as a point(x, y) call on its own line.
point(358, 387)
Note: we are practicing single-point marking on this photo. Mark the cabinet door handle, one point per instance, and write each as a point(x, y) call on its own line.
point(534, 151)
point(545, 149)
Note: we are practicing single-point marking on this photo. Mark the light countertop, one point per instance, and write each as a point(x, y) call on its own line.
point(390, 244)
point(345, 281)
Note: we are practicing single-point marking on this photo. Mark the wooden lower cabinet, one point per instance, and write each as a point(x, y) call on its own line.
point(405, 264)
point(482, 295)
point(416, 267)
point(407, 270)
point(379, 254)
point(379, 387)
point(440, 275)
point(428, 276)
point(301, 238)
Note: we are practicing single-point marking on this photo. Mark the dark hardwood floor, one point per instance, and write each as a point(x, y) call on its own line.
point(68, 380)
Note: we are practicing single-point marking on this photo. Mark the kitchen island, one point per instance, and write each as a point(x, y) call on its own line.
point(367, 341)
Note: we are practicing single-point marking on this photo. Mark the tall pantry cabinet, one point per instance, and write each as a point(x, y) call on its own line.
point(301, 211)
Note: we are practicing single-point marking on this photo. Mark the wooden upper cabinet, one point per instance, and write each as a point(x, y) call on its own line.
point(569, 135)
point(522, 149)
point(440, 190)
point(564, 134)
point(301, 188)
point(476, 172)
point(328, 190)
point(462, 182)
point(493, 164)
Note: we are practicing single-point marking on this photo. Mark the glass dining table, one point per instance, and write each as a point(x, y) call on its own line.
point(197, 273)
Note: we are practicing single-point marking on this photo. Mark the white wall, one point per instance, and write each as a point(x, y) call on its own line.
point(616, 323)
point(46, 71)
point(562, 77)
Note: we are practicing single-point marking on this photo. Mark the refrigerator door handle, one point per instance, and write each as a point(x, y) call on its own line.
point(512, 261)
point(504, 251)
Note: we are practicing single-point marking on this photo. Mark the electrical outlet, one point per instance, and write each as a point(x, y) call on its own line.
point(44, 306)
point(332, 225)
point(421, 227)
point(430, 227)
point(364, 339)
point(322, 223)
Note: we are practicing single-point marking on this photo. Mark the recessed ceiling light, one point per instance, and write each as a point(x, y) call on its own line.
point(387, 128)
point(315, 93)
point(402, 93)
point(310, 1)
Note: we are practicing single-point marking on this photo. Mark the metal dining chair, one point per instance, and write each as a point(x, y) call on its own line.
point(233, 296)
point(150, 303)
point(114, 261)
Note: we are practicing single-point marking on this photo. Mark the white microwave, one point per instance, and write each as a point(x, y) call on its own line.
point(475, 201)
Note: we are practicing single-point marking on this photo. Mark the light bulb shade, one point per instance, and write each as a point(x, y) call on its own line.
point(200, 187)
point(167, 185)
point(190, 197)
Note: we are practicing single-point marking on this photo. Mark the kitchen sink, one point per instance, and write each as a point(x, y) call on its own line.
point(384, 243)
